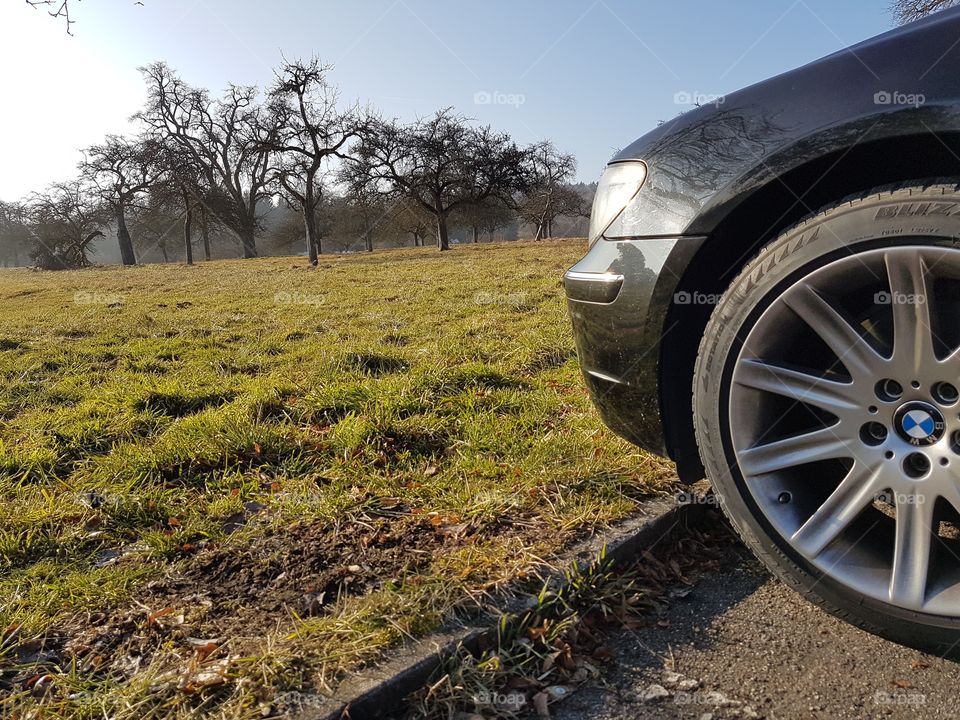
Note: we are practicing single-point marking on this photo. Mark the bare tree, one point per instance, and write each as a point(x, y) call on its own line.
point(411, 219)
point(566, 202)
point(64, 220)
point(56, 9)
point(311, 131)
point(14, 232)
point(487, 216)
point(227, 140)
point(367, 211)
point(61, 9)
point(441, 163)
point(548, 169)
point(121, 170)
point(909, 10)
point(155, 220)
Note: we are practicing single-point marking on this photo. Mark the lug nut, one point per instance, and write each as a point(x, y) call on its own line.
point(945, 393)
point(889, 390)
point(873, 433)
point(916, 465)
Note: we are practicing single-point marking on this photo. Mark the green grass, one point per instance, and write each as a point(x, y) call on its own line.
point(409, 426)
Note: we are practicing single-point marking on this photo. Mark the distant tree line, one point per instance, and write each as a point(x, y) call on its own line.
point(288, 170)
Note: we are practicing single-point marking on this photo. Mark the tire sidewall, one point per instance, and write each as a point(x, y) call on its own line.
point(929, 217)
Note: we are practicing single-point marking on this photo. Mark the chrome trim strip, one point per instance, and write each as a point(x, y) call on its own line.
point(603, 376)
point(593, 277)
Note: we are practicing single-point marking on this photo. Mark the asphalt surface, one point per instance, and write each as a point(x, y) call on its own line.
point(741, 645)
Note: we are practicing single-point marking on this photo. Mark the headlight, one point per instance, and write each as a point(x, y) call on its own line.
point(619, 184)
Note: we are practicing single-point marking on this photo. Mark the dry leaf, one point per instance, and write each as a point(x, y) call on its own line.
point(541, 701)
point(153, 617)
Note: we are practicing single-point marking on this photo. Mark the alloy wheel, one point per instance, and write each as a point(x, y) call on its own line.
point(845, 422)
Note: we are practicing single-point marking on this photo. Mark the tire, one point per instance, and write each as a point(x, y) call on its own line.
point(759, 317)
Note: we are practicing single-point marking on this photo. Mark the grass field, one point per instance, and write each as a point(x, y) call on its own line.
point(225, 482)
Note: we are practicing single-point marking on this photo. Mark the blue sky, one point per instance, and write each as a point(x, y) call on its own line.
point(592, 75)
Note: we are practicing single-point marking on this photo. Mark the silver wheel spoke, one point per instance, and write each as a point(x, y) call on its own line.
point(826, 394)
point(847, 343)
point(810, 447)
point(855, 492)
point(912, 330)
point(911, 552)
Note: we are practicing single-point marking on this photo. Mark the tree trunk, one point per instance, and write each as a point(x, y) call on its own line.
point(443, 237)
point(367, 234)
point(549, 229)
point(205, 232)
point(540, 229)
point(310, 225)
point(248, 242)
point(127, 255)
point(476, 234)
point(187, 231)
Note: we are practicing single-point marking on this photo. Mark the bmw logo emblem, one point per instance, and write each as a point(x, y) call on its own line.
point(919, 423)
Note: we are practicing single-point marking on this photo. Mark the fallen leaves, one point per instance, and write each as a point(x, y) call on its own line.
point(155, 616)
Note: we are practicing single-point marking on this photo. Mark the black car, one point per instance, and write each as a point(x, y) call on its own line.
point(772, 298)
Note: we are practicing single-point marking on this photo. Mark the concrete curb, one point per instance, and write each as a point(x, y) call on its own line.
point(382, 691)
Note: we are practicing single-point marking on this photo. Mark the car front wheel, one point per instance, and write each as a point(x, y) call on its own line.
point(827, 410)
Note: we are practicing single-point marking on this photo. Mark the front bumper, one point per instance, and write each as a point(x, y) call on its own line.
point(619, 295)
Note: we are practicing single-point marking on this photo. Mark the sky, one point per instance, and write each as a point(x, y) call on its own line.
point(590, 75)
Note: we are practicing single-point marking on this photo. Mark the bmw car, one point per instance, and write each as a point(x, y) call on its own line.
point(771, 298)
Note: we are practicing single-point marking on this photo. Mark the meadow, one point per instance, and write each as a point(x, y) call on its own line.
point(226, 482)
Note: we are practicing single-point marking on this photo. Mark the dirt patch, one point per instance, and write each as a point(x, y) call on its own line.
point(239, 592)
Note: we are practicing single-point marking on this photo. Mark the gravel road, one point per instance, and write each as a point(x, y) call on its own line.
point(741, 645)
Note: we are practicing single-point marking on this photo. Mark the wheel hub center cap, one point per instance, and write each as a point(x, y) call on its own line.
point(919, 423)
